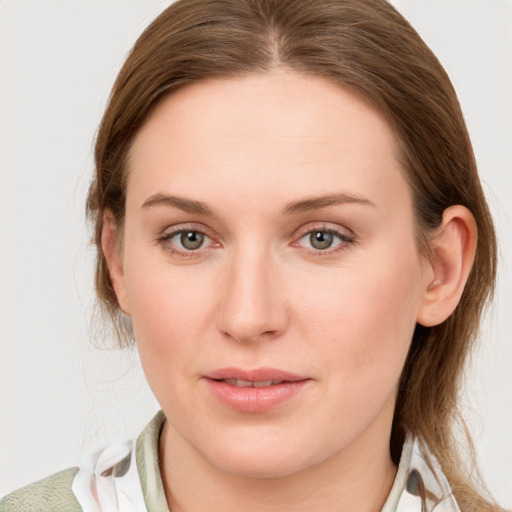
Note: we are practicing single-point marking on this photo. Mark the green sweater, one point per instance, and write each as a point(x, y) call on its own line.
point(54, 494)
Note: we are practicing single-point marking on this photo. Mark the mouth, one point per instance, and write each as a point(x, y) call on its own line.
point(239, 383)
point(256, 378)
point(254, 391)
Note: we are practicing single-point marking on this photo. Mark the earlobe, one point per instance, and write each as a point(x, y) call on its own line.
point(112, 253)
point(453, 251)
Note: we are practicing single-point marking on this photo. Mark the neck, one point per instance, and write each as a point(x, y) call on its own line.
point(359, 477)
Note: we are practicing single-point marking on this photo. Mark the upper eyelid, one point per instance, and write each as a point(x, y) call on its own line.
point(340, 234)
point(177, 228)
point(322, 226)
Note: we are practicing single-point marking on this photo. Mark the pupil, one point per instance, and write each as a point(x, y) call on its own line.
point(321, 239)
point(192, 239)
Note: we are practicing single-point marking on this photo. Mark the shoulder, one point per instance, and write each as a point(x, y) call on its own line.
point(52, 494)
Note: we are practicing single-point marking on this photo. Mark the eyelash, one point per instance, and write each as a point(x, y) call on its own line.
point(343, 237)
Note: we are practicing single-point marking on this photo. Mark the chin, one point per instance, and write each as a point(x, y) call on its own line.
point(259, 459)
point(260, 468)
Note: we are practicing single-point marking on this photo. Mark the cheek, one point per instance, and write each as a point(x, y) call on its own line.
point(166, 323)
point(170, 309)
point(364, 317)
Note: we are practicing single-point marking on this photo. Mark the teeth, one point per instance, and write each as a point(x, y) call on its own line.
point(251, 384)
point(243, 383)
point(262, 383)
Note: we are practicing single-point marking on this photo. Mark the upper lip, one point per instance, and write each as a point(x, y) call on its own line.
point(254, 375)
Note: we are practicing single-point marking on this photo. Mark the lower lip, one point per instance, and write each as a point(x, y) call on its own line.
point(255, 400)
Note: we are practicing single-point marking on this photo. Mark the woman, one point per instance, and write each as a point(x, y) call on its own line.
point(288, 218)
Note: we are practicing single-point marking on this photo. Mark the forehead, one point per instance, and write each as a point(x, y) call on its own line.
point(277, 131)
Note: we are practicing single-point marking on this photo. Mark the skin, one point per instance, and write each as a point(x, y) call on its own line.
point(257, 293)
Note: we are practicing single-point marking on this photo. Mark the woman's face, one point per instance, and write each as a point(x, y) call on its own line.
point(270, 267)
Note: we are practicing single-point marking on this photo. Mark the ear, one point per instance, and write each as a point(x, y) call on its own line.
point(453, 251)
point(113, 255)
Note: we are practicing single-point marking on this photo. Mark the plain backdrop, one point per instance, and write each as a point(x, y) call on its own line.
point(60, 396)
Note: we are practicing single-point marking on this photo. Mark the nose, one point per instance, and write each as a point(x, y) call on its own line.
point(253, 306)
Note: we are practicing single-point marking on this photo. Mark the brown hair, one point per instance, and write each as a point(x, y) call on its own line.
point(371, 50)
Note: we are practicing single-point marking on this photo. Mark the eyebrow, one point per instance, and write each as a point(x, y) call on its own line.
point(317, 203)
point(187, 205)
point(294, 207)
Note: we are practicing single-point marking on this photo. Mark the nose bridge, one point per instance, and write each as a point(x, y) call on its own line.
point(252, 303)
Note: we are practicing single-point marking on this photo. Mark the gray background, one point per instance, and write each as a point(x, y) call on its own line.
point(61, 397)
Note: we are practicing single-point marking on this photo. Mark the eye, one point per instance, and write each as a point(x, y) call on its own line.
point(190, 240)
point(183, 241)
point(321, 239)
point(324, 240)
